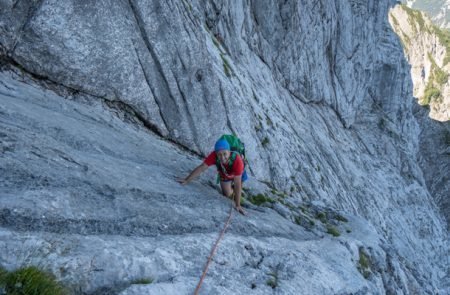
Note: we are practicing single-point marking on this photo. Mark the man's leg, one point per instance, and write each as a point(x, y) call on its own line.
point(226, 188)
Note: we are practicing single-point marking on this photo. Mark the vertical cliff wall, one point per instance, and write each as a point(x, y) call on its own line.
point(427, 49)
point(320, 93)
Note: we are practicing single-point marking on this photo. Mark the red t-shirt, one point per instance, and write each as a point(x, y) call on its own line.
point(235, 170)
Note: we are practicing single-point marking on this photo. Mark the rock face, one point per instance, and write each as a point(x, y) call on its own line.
point(435, 162)
point(94, 200)
point(438, 10)
point(428, 56)
point(427, 51)
point(320, 93)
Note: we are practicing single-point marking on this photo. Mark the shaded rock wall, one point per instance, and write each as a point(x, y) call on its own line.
point(426, 50)
point(427, 54)
point(320, 93)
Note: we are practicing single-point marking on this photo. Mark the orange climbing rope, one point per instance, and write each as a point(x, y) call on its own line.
point(213, 250)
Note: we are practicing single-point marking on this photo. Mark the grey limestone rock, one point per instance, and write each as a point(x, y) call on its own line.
point(319, 91)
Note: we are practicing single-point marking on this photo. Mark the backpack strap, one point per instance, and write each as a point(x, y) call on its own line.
point(230, 163)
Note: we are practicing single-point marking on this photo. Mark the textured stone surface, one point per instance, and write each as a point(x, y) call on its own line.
point(94, 200)
point(436, 162)
point(423, 47)
point(426, 54)
point(320, 93)
point(438, 10)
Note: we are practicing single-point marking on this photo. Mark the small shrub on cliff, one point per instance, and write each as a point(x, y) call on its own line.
point(415, 17)
point(322, 217)
point(3, 274)
point(341, 218)
point(260, 199)
point(273, 281)
point(441, 77)
point(430, 94)
point(364, 263)
point(333, 231)
point(444, 38)
point(436, 73)
point(30, 281)
point(143, 281)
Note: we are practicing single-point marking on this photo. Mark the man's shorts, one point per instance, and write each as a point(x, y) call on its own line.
point(244, 177)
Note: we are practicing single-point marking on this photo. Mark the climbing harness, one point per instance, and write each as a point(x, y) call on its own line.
point(214, 250)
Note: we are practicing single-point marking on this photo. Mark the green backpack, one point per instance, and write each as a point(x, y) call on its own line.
point(236, 147)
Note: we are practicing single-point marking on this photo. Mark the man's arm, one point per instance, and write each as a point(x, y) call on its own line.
point(237, 193)
point(195, 173)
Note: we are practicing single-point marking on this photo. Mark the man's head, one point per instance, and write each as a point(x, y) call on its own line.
point(222, 149)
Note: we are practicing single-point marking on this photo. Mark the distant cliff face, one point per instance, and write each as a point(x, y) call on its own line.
point(428, 51)
point(320, 92)
point(438, 10)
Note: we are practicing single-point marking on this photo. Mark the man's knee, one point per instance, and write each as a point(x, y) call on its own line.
point(227, 192)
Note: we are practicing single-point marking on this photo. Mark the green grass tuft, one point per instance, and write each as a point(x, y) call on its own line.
point(260, 199)
point(394, 19)
point(278, 193)
point(30, 281)
point(322, 217)
point(265, 141)
point(341, 218)
point(364, 263)
point(142, 281)
point(415, 17)
point(444, 38)
point(258, 127)
point(363, 259)
point(430, 94)
point(441, 76)
point(3, 274)
point(273, 281)
point(333, 231)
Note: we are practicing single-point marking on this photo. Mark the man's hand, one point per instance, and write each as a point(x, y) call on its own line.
point(183, 181)
point(196, 172)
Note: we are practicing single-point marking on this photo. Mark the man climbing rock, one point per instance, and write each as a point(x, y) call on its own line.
point(230, 166)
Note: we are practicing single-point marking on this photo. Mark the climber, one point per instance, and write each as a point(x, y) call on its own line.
point(230, 167)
